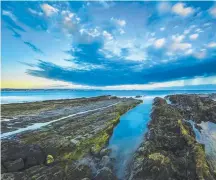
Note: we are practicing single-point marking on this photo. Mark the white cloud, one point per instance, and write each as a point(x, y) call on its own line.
point(189, 52)
point(198, 30)
point(119, 22)
point(90, 32)
point(162, 28)
point(49, 10)
point(107, 35)
point(136, 54)
point(178, 38)
point(164, 7)
point(201, 54)
point(114, 48)
point(121, 31)
point(193, 36)
point(159, 43)
point(176, 83)
point(212, 45)
point(180, 46)
point(187, 31)
point(207, 24)
point(212, 11)
point(68, 14)
point(35, 12)
point(9, 14)
point(182, 10)
point(69, 18)
point(69, 23)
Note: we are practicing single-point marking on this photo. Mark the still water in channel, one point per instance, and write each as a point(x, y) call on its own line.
point(128, 135)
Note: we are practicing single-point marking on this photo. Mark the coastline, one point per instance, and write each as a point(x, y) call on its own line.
point(77, 141)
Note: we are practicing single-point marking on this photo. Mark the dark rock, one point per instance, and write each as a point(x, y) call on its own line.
point(14, 176)
point(138, 96)
point(15, 165)
point(3, 170)
point(195, 107)
point(159, 101)
point(80, 172)
point(106, 162)
point(198, 127)
point(105, 152)
point(31, 155)
point(105, 174)
point(34, 156)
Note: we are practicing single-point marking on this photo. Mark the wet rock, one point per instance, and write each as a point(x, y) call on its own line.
point(3, 170)
point(106, 162)
point(105, 174)
point(15, 165)
point(80, 172)
point(14, 176)
point(105, 151)
point(197, 126)
point(159, 101)
point(195, 107)
point(34, 156)
point(25, 155)
point(138, 96)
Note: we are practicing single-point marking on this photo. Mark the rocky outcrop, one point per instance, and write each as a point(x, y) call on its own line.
point(105, 173)
point(72, 148)
point(16, 156)
point(170, 150)
point(195, 107)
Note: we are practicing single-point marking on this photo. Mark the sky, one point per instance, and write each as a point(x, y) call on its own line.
point(108, 45)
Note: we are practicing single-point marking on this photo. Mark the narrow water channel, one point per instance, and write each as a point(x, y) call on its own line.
point(128, 135)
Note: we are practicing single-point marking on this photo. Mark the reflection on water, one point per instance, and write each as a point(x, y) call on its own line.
point(207, 136)
point(128, 135)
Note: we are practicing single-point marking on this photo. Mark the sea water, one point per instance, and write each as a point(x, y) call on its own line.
point(19, 96)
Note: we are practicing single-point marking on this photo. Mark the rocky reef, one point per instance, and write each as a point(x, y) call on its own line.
point(195, 107)
point(170, 150)
point(72, 147)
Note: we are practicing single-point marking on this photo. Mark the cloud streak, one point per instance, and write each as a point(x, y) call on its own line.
point(122, 76)
point(33, 47)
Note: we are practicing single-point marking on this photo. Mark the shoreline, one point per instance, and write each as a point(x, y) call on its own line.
point(78, 143)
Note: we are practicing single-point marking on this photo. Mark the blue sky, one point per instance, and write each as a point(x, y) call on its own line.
point(108, 45)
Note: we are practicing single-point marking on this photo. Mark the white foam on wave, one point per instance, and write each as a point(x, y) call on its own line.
point(17, 99)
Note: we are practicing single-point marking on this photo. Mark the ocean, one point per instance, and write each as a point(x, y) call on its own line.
point(20, 96)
